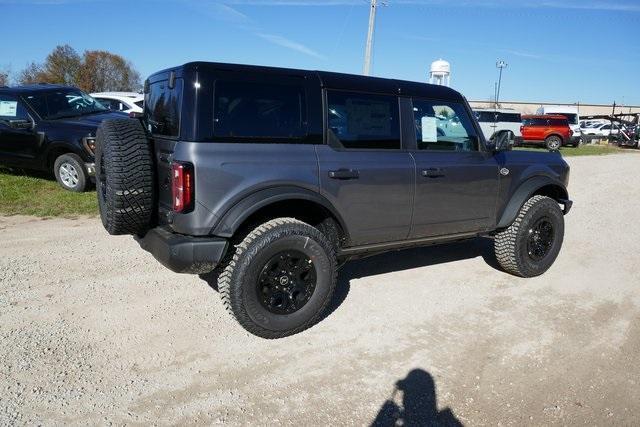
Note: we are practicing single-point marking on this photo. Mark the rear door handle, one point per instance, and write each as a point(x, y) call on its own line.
point(433, 172)
point(344, 174)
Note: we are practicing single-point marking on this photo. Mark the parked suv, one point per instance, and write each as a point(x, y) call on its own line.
point(51, 128)
point(271, 178)
point(552, 131)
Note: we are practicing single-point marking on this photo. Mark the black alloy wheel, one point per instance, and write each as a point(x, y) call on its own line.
point(286, 282)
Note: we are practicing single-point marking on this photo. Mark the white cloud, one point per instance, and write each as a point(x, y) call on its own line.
point(290, 44)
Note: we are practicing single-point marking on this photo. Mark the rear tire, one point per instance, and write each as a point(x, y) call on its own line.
point(531, 244)
point(70, 173)
point(125, 177)
point(553, 142)
point(281, 278)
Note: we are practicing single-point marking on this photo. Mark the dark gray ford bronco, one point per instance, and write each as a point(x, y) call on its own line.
point(273, 177)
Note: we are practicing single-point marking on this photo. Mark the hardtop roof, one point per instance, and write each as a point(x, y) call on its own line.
point(331, 79)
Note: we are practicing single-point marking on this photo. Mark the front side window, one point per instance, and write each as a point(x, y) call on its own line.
point(259, 112)
point(443, 126)
point(59, 104)
point(539, 122)
point(11, 109)
point(364, 121)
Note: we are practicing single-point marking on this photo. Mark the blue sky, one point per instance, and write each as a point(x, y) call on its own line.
point(559, 51)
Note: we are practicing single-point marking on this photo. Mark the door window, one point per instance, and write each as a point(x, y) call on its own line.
point(443, 126)
point(12, 109)
point(364, 121)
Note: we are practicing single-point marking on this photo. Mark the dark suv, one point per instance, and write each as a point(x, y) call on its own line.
point(273, 177)
point(51, 128)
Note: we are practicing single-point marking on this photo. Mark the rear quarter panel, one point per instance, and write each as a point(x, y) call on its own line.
point(225, 173)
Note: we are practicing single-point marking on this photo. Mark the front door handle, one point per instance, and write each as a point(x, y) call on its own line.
point(433, 173)
point(344, 174)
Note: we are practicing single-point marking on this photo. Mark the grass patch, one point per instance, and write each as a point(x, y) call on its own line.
point(36, 195)
point(584, 150)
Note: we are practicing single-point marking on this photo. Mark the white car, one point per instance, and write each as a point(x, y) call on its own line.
point(601, 130)
point(127, 102)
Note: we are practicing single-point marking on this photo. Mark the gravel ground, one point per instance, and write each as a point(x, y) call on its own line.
point(94, 330)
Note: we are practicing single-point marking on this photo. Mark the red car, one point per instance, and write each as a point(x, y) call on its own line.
point(551, 130)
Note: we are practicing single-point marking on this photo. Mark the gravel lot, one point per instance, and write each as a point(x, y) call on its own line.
point(93, 330)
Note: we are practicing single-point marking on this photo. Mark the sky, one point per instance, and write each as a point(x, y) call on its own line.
point(569, 51)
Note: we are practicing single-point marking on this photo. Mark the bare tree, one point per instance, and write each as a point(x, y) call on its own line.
point(33, 73)
point(4, 77)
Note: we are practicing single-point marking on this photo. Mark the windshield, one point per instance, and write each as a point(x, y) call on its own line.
point(63, 103)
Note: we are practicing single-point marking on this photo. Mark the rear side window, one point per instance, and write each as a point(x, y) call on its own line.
point(364, 121)
point(558, 122)
point(535, 122)
point(259, 112)
point(162, 108)
point(486, 116)
point(509, 117)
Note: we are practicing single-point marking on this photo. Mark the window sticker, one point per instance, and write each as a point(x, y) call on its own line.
point(9, 108)
point(429, 129)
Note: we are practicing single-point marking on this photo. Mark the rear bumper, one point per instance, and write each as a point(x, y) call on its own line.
point(184, 254)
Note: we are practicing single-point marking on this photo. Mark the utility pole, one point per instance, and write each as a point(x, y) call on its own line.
point(501, 65)
point(369, 48)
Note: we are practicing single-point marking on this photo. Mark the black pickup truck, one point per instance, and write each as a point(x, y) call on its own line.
point(51, 128)
point(273, 177)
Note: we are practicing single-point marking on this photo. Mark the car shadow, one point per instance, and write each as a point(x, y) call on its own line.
point(418, 405)
point(400, 260)
point(5, 170)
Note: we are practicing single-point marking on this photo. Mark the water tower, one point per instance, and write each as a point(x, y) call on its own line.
point(440, 73)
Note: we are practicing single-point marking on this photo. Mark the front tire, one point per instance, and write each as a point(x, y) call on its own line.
point(530, 245)
point(281, 278)
point(70, 173)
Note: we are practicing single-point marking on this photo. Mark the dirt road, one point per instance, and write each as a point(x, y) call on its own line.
point(94, 330)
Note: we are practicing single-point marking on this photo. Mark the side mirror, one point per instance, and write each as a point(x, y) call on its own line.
point(503, 140)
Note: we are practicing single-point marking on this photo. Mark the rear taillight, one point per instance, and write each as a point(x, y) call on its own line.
point(182, 186)
point(521, 128)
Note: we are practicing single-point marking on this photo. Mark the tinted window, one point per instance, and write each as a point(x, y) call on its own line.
point(163, 108)
point(255, 112)
point(139, 103)
point(509, 117)
point(363, 120)
point(485, 116)
point(558, 122)
point(443, 126)
point(112, 104)
point(12, 109)
point(534, 122)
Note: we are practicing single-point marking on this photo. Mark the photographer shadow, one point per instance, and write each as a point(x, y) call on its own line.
point(418, 406)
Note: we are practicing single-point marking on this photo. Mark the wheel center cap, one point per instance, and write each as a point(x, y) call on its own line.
point(284, 280)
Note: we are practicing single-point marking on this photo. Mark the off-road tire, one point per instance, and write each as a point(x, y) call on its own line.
point(125, 177)
point(553, 142)
point(510, 245)
point(237, 284)
point(77, 165)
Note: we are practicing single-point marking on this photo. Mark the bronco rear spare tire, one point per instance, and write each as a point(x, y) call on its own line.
point(124, 177)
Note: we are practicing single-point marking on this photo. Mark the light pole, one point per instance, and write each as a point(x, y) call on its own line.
point(501, 65)
point(369, 47)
